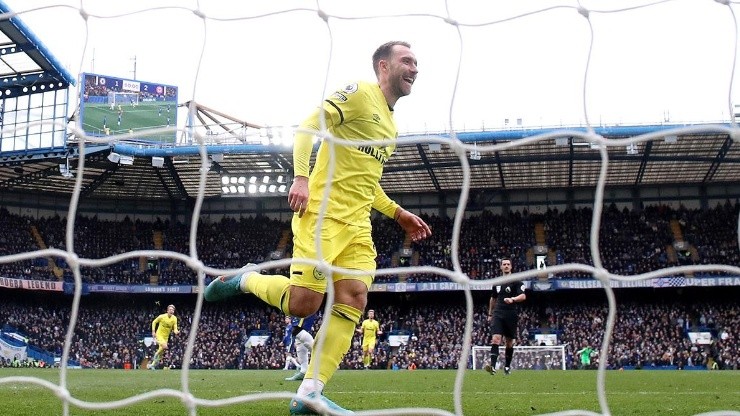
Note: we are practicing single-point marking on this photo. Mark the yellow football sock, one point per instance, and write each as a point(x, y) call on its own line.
point(366, 360)
point(272, 289)
point(339, 331)
point(158, 355)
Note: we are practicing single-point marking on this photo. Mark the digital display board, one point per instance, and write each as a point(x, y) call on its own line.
point(111, 105)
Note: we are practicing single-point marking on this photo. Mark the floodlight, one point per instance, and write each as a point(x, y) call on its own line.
point(225, 189)
point(64, 170)
point(225, 180)
point(126, 160)
point(475, 154)
point(114, 157)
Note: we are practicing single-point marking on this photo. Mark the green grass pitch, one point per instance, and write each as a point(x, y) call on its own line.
point(146, 115)
point(521, 393)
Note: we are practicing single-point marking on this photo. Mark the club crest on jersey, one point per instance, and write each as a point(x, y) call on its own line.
point(508, 289)
point(318, 275)
point(376, 118)
point(351, 88)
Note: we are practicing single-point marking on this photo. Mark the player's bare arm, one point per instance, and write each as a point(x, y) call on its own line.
point(491, 307)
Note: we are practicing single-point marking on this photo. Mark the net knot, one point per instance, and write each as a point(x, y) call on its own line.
point(84, 14)
point(199, 13)
point(735, 135)
point(322, 14)
point(188, 400)
point(725, 2)
point(63, 394)
point(73, 260)
point(451, 21)
point(583, 11)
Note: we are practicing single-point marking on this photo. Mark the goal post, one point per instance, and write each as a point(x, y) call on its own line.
point(123, 98)
point(542, 357)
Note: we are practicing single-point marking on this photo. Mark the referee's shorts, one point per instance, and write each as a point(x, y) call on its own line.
point(505, 323)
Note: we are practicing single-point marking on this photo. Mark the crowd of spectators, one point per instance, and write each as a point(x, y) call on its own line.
point(631, 242)
point(108, 334)
point(110, 330)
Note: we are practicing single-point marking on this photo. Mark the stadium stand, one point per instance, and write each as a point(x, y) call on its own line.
point(631, 242)
point(649, 333)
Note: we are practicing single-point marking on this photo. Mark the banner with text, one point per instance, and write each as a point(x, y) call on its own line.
point(537, 285)
point(11, 283)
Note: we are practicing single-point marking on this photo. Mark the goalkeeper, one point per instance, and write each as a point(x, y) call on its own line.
point(504, 316)
point(585, 355)
point(361, 111)
point(162, 326)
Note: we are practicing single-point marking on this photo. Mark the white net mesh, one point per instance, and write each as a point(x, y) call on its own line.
point(213, 22)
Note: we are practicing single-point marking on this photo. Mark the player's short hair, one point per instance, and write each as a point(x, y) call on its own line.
point(173, 307)
point(505, 258)
point(384, 52)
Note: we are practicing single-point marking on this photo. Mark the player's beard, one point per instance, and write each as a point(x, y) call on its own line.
point(401, 88)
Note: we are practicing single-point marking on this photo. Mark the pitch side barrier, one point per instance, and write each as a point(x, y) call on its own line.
point(549, 285)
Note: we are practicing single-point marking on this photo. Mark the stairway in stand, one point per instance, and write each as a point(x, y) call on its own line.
point(56, 271)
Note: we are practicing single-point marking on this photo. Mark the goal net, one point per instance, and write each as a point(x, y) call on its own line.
point(122, 98)
point(475, 49)
point(525, 357)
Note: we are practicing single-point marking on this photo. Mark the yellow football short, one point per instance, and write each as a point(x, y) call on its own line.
point(342, 245)
point(162, 339)
point(369, 344)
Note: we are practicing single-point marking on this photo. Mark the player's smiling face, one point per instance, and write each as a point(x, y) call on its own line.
point(402, 70)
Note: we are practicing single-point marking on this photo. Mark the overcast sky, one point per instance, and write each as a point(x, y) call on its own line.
point(673, 59)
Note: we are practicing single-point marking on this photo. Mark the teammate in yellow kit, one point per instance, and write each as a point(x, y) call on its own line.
point(162, 326)
point(369, 329)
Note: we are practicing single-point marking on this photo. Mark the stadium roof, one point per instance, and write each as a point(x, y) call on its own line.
point(25, 61)
point(679, 154)
point(706, 155)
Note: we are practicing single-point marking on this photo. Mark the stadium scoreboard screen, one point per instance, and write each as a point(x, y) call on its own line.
point(114, 106)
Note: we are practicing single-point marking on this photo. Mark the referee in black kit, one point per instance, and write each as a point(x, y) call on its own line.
point(503, 316)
